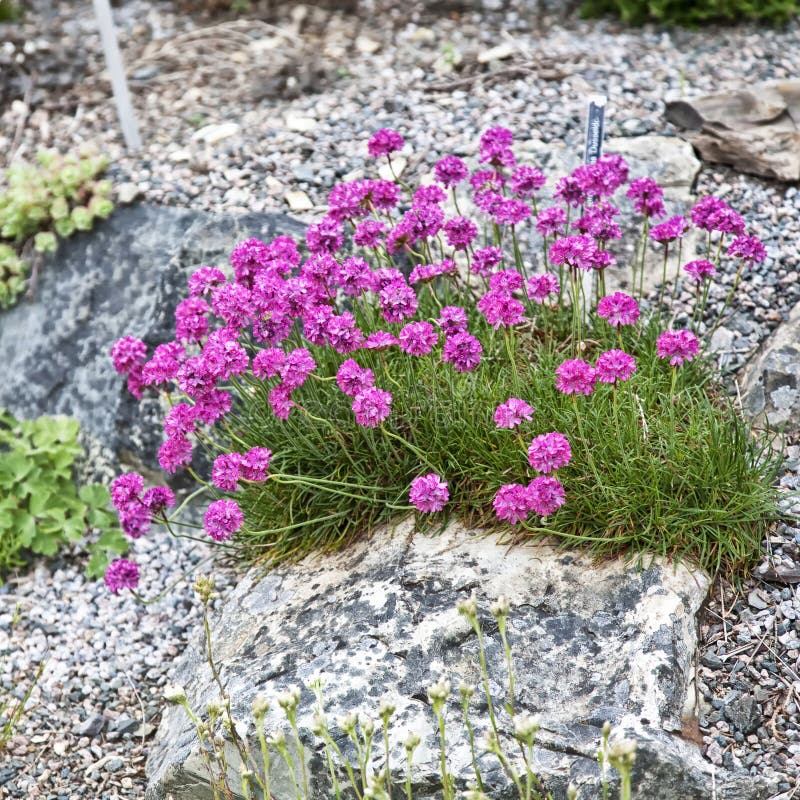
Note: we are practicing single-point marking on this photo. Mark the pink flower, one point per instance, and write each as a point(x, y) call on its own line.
point(429, 493)
point(121, 574)
point(647, 197)
point(452, 319)
point(570, 192)
point(226, 471)
point(669, 231)
point(127, 353)
point(417, 338)
point(463, 351)
point(164, 364)
point(255, 463)
point(267, 363)
point(379, 340)
point(343, 334)
point(180, 420)
point(485, 260)
point(191, 323)
point(369, 233)
point(705, 209)
point(575, 376)
point(495, 147)
point(212, 406)
point(280, 401)
point(615, 365)
point(384, 141)
point(158, 498)
point(247, 258)
point(540, 287)
point(678, 346)
point(526, 180)
point(175, 452)
point(203, 280)
point(578, 252)
point(512, 503)
point(297, 366)
point(506, 280)
point(232, 302)
point(549, 452)
point(450, 171)
point(372, 406)
point(546, 495)
point(700, 270)
point(512, 413)
point(222, 519)
point(126, 489)
point(618, 309)
point(459, 232)
point(354, 379)
point(500, 308)
point(551, 221)
point(398, 301)
point(748, 248)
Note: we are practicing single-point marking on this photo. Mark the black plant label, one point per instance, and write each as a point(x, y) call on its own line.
point(594, 129)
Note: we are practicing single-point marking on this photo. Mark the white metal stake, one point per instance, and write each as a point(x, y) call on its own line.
point(594, 147)
point(116, 69)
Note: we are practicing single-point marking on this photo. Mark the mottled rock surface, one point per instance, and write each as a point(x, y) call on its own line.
point(771, 380)
point(126, 277)
point(591, 643)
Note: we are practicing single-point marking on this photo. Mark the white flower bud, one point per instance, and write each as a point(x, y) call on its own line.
point(174, 693)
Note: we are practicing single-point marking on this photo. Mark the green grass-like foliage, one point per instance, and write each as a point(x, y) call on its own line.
point(40, 202)
point(41, 508)
point(690, 14)
point(675, 475)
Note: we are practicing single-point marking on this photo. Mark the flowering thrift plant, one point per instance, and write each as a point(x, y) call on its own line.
point(410, 358)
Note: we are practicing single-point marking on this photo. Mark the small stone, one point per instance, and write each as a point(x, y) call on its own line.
point(756, 600)
point(712, 661)
point(743, 713)
point(498, 53)
point(367, 46)
point(298, 201)
point(114, 764)
point(295, 122)
point(127, 192)
point(91, 726)
point(212, 134)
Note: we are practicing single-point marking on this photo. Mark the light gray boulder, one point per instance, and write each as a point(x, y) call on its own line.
point(591, 643)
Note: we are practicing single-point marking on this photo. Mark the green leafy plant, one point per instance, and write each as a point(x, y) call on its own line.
point(369, 736)
point(13, 706)
point(10, 11)
point(679, 12)
point(41, 508)
point(40, 202)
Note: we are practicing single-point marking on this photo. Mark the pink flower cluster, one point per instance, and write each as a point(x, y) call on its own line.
point(678, 346)
point(136, 507)
point(429, 493)
point(261, 319)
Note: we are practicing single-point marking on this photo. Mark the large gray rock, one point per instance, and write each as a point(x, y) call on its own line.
point(591, 643)
point(754, 129)
point(126, 277)
point(771, 380)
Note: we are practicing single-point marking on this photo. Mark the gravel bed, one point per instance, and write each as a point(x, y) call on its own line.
point(240, 139)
